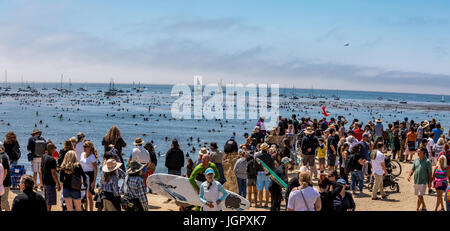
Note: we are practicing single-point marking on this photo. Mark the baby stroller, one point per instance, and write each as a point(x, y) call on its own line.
point(394, 170)
point(388, 181)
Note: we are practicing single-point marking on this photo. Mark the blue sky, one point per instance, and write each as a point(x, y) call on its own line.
point(394, 45)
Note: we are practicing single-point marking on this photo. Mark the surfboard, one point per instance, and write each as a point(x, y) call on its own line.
point(274, 176)
point(180, 189)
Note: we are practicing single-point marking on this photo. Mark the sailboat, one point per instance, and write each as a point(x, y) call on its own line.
point(336, 97)
point(294, 96)
point(7, 87)
point(112, 90)
point(311, 95)
point(442, 99)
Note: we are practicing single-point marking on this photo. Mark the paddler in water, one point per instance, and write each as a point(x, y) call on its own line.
point(210, 191)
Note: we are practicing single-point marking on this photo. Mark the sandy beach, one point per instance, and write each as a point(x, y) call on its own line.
point(405, 200)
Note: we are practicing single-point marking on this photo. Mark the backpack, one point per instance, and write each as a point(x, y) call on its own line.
point(251, 167)
point(15, 155)
point(39, 147)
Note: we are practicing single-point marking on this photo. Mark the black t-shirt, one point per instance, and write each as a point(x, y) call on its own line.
point(118, 145)
point(7, 167)
point(293, 183)
point(282, 128)
point(29, 201)
point(48, 163)
point(332, 142)
point(357, 165)
point(66, 179)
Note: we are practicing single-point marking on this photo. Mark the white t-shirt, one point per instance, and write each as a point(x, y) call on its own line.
point(140, 154)
point(86, 163)
point(79, 149)
point(297, 203)
point(376, 164)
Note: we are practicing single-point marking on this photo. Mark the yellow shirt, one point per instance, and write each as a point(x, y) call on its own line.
point(322, 152)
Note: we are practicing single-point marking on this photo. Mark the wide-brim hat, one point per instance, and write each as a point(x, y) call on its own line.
point(203, 151)
point(309, 131)
point(425, 123)
point(111, 165)
point(36, 131)
point(138, 141)
point(135, 167)
point(80, 134)
point(213, 145)
point(378, 120)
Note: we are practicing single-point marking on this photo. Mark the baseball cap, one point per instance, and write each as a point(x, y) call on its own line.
point(209, 171)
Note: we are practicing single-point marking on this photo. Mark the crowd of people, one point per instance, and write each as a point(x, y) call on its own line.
point(341, 156)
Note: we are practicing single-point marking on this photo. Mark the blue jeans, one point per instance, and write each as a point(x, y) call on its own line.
point(357, 174)
point(242, 185)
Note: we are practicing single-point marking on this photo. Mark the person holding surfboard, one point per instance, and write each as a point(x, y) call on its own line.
point(210, 191)
point(263, 178)
point(199, 170)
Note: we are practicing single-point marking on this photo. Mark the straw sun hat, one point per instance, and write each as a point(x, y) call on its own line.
point(111, 165)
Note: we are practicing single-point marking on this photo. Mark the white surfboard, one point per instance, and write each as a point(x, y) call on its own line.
point(180, 189)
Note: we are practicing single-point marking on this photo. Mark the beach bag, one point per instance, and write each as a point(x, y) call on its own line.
point(39, 147)
point(126, 203)
point(76, 182)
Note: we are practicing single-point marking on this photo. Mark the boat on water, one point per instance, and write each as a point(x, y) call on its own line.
point(112, 89)
point(380, 98)
point(442, 99)
point(403, 102)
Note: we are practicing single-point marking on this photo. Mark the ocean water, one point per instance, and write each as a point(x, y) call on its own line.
point(87, 112)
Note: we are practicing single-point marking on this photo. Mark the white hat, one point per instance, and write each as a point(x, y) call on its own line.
point(111, 165)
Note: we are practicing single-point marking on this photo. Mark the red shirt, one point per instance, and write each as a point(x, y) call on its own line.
point(358, 134)
point(55, 155)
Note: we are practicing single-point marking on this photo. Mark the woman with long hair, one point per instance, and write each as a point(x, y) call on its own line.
point(71, 175)
point(12, 148)
point(114, 137)
point(109, 185)
point(440, 177)
point(88, 161)
point(62, 153)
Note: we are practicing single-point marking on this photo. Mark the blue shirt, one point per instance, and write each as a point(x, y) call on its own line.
point(437, 134)
point(364, 149)
point(378, 129)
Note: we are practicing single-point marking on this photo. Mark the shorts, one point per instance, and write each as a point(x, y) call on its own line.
point(309, 160)
point(90, 176)
point(321, 160)
point(262, 181)
point(50, 194)
point(36, 164)
point(71, 194)
point(411, 146)
point(332, 160)
point(251, 182)
point(420, 189)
